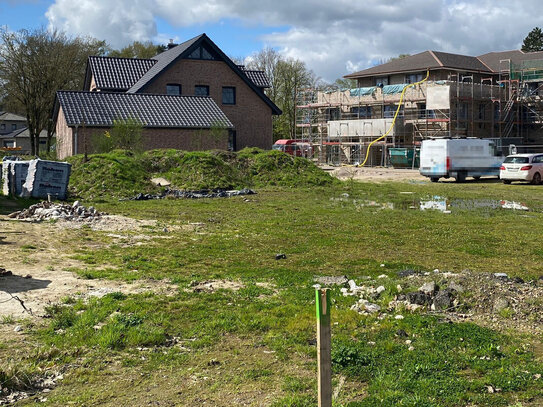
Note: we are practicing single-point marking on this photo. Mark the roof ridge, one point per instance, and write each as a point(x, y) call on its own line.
point(432, 53)
point(130, 59)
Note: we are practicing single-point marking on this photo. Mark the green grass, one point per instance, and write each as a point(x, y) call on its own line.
point(262, 334)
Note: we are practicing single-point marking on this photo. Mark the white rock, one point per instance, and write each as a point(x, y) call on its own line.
point(408, 342)
point(18, 328)
point(399, 288)
point(372, 308)
point(383, 276)
point(380, 289)
point(382, 265)
point(411, 348)
point(76, 204)
point(398, 317)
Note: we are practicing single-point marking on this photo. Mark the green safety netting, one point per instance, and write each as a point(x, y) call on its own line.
point(362, 91)
point(527, 70)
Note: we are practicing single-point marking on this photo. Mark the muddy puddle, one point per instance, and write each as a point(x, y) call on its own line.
point(438, 203)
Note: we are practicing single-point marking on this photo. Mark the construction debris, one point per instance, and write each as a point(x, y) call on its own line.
point(50, 211)
point(176, 193)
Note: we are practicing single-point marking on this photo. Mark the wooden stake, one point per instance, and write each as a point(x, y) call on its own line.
point(324, 348)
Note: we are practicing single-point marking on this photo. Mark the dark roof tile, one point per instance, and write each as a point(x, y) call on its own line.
point(118, 73)
point(98, 109)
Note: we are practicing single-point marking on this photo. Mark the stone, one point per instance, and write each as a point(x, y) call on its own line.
point(383, 276)
point(443, 300)
point(280, 256)
point(332, 280)
point(500, 304)
point(428, 288)
point(18, 328)
point(398, 317)
point(406, 273)
point(401, 333)
point(453, 285)
point(399, 288)
point(372, 308)
point(418, 298)
point(380, 289)
point(76, 204)
point(518, 280)
point(501, 276)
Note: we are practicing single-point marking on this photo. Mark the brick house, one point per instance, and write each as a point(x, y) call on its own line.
point(178, 96)
point(14, 134)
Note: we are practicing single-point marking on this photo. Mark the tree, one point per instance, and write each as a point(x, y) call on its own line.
point(345, 83)
point(533, 41)
point(34, 65)
point(287, 77)
point(138, 49)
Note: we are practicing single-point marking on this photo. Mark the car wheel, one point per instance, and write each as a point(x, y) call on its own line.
point(506, 181)
point(536, 180)
point(461, 176)
point(434, 179)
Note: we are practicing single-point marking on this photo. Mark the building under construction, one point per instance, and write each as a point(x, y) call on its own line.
point(496, 96)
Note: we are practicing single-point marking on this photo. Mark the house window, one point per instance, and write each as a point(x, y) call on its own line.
point(389, 111)
point(3, 126)
point(231, 140)
point(481, 111)
point(202, 53)
point(412, 78)
point(201, 90)
point(381, 81)
point(13, 126)
point(333, 114)
point(463, 111)
point(228, 95)
point(173, 89)
point(9, 143)
point(362, 112)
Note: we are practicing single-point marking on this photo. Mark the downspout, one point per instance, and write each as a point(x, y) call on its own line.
point(75, 140)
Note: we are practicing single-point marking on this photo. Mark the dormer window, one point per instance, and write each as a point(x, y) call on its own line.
point(201, 90)
point(173, 89)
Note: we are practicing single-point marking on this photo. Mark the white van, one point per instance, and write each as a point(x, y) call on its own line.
point(459, 158)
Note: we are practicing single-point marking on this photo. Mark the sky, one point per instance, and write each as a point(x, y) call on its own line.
point(333, 38)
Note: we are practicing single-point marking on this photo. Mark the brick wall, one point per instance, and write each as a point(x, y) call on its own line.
point(181, 139)
point(64, 136)
point(251, 116)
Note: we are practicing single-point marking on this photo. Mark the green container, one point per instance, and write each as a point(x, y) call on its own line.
point(403, 157)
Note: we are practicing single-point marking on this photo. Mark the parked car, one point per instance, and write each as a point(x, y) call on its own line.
point(522, 167)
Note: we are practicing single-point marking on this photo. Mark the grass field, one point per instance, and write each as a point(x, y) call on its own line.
point(255, 345)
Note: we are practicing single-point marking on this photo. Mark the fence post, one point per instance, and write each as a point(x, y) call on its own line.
point(324, 348)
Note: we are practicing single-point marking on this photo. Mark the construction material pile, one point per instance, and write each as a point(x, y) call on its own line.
point(51, 211)
point(176, 193)
point(35, 178)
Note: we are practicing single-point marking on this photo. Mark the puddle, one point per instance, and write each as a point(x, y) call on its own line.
point(445, 205)
point(436, 203)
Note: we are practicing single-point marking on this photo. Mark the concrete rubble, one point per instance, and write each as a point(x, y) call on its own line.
point(51, 211)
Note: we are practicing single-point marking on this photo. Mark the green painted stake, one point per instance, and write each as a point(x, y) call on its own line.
point(324, 347)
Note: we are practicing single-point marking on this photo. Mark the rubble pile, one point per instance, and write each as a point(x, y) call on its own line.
point(51, 211)
point(205, 193)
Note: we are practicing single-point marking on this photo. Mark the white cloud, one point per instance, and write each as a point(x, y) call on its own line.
point(333, 38)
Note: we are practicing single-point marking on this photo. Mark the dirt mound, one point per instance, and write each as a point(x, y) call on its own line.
point(122, 174)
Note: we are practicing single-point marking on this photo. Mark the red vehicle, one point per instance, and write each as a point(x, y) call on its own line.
point(297, 148)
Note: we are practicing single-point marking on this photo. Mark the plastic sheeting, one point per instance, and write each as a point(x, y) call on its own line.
point(362, 91)
point(391, 89)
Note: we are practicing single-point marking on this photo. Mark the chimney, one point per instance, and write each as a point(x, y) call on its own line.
point(171, 44)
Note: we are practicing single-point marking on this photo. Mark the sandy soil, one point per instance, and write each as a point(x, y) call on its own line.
point(375, 174)
point(33, 252)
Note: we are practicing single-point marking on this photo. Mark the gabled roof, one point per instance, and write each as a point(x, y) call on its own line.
point(22, 133)
point(259, 78)
point(119, 74)
point(492, 59)
point(166, 58)
point(100, 109)
point(427, 60)
point(12, 117)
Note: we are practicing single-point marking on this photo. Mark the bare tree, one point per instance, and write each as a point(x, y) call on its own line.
point(34, 65)
point(287, 77)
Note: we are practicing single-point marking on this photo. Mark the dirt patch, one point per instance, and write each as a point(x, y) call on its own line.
point(37, 256)
point(213, 285)
point(108, 223)
point(376, 174)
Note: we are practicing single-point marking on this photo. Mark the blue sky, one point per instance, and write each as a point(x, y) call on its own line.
point(332, 38)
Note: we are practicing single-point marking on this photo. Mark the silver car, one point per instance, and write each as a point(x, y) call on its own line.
point(522, 167)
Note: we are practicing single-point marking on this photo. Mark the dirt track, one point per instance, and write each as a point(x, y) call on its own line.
point(375, 174)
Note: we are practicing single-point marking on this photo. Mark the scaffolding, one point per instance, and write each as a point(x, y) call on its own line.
point(340, 123)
